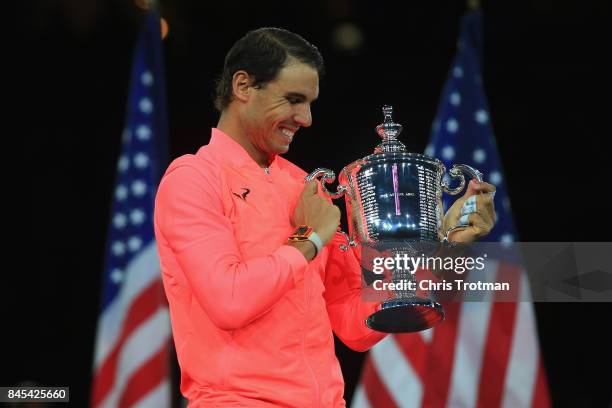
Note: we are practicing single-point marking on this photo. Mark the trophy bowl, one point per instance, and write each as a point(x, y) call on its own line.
point(394, 203)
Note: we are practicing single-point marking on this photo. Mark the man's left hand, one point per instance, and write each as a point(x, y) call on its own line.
point(474, 211)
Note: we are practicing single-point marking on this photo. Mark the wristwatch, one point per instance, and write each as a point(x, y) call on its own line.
point(306, 233)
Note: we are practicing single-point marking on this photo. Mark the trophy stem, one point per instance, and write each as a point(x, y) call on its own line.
point(405, 312)
point(407, 278)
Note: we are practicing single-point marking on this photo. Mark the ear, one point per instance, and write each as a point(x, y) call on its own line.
point(241, 85)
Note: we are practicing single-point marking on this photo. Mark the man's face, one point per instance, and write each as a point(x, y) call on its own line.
point(277, 110)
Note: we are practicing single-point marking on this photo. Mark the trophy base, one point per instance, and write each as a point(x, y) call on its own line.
point(406, 316)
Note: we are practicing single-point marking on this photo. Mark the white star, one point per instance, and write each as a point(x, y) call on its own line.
point(457, 72)
point(448, 153)
point(146, 78)
point(481, 116)
point(145, 105)
point(134, 244)
point(495, 178)
point(119, 220)
point(139, 188)
point(141, 160)
point(429, 150)
point(506, 240)
point(137, 216)
point(123, 164)
point(126, 136)
point(455, 99)
point(118, 248)
point(143, 132)
point(479, 156)
point(452, 125)
point(116, 275)
point(121, 192)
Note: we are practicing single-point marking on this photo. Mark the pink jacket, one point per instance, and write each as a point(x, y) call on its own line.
point(252, 320)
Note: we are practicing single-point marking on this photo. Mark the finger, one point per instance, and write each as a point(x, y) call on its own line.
point(469, 206)
point(487, 218)
point(484, 210)
point(467, 220)
point(464, 221)
point(477, 227)
point(480, 225)
point(486, 206)
point(458, 235)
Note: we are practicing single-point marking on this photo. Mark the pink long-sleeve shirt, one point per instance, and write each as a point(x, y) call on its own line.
point(252, 320)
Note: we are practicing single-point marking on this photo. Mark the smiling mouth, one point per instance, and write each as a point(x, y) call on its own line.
point(287, 133)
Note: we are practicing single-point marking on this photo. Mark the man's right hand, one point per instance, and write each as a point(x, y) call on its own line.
point(316, 212)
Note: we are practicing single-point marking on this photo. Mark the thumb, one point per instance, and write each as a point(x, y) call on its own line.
point(472, 188)
point(310, 188)
point(475, 187)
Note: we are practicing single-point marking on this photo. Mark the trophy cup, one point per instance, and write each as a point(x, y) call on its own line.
point(394, 202)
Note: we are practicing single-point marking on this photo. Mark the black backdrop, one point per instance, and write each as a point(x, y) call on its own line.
point(543, 72)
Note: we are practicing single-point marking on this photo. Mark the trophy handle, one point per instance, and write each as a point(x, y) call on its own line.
point(457, 172)
point(328, 177)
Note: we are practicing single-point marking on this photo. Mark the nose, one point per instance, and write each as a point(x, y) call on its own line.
point(303, 116)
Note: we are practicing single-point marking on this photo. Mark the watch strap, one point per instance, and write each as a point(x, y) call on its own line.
point(316, 240)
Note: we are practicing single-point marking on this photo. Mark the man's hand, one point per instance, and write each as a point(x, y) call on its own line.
point(316, 212)
point(475, 211)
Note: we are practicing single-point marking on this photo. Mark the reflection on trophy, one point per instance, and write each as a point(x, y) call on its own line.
point(394, 204)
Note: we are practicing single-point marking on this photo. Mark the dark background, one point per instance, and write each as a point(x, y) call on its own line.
point(543, 72)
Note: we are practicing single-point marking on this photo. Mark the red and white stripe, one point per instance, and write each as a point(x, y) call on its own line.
point(485, 354)
point(131, 354)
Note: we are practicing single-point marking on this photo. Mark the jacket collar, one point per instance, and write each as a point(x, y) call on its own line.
point(232, 152)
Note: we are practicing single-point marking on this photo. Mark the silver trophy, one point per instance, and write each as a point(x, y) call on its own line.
point(394, 203)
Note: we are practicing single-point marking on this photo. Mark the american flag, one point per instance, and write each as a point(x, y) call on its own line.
point(131, 362)
point(485, 354)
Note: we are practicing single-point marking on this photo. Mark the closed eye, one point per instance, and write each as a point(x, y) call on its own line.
point(294, 100)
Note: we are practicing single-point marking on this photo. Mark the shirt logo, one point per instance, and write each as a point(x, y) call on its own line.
point(243, 196)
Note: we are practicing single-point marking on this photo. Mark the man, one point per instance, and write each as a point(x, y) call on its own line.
point(252, 311)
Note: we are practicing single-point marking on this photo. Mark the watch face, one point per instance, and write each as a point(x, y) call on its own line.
point(301, 230)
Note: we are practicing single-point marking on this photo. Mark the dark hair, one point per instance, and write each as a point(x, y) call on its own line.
point(262, 53)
